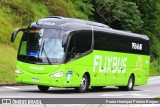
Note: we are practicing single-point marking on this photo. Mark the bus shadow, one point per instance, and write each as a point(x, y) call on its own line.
point(72, 91)
point(110, 90)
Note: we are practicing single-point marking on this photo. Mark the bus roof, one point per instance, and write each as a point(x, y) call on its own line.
point(72, 24)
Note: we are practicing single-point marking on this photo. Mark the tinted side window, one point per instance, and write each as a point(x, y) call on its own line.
point(80, 42)
point(83, 41)
point(145, 46)
point(100, 40)
point(119, 43)
point(123, 43)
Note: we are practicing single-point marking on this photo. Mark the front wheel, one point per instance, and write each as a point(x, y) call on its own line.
point(84, 86)
point(43, 88)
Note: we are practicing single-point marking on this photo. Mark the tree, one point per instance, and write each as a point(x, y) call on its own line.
point(150, 13)
point(124, 13)
point(84, 6)
point(64, 8)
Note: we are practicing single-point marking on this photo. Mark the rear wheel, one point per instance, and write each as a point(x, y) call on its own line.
point(43, 88)
point(129, 86)
point(84, 86)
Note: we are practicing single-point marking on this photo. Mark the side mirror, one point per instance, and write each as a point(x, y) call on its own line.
point(14, 34)
point(152, 58)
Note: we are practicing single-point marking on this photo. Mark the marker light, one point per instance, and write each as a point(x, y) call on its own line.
point(18, 71)
point(57, 75)
point(34, 31)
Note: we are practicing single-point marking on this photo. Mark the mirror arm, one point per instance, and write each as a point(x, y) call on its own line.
point(14, 34)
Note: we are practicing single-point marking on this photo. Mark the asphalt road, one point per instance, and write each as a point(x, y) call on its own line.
point(151, 90)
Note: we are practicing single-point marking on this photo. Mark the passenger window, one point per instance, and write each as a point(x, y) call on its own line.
point(100, 40)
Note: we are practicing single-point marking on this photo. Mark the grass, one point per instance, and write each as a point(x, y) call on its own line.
point(7, 63)
point(158, 98)
point(154, 68)
point(10, 20)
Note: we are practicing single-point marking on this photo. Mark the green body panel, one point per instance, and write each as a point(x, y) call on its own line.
point(105, 69)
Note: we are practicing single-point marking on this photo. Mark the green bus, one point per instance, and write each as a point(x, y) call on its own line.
point(73, 53)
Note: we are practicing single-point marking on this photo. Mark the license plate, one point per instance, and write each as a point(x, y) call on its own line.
point(35, 79)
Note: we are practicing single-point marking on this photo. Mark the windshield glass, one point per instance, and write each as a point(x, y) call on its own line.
point(41, 46)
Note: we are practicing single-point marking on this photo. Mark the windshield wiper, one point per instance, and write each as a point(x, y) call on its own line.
point(49, 62)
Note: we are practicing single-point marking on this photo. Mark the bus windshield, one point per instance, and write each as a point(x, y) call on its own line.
point(39, 45)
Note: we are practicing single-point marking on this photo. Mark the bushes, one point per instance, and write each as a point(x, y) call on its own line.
point(18, 14)
point(21, 13)
point(20, 10)
point(64, 8)
point(39, 9)
point(5, 27)
point(154, 68)
point(7, 63)
point(12, 15)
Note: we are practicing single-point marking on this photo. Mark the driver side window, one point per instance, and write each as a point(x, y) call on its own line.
point(80, 43)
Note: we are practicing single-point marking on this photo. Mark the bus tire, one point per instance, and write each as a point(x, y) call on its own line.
point(84, 86)
point(129, 86)
point(43, 88)
point(97, 87)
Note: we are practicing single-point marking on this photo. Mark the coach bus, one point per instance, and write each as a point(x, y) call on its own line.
point(73, 53)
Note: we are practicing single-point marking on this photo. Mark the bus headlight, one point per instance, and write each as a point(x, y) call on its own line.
point(18, 71)
point(57, 75)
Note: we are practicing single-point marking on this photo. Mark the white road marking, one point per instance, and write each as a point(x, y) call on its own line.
point(153, 78)
point(14, 88)
point(12, 96)
point(118, 95)
point(141, 91)
point(146, 90)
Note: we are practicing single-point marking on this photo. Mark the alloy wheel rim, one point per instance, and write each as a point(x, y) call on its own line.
point(83, 83)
